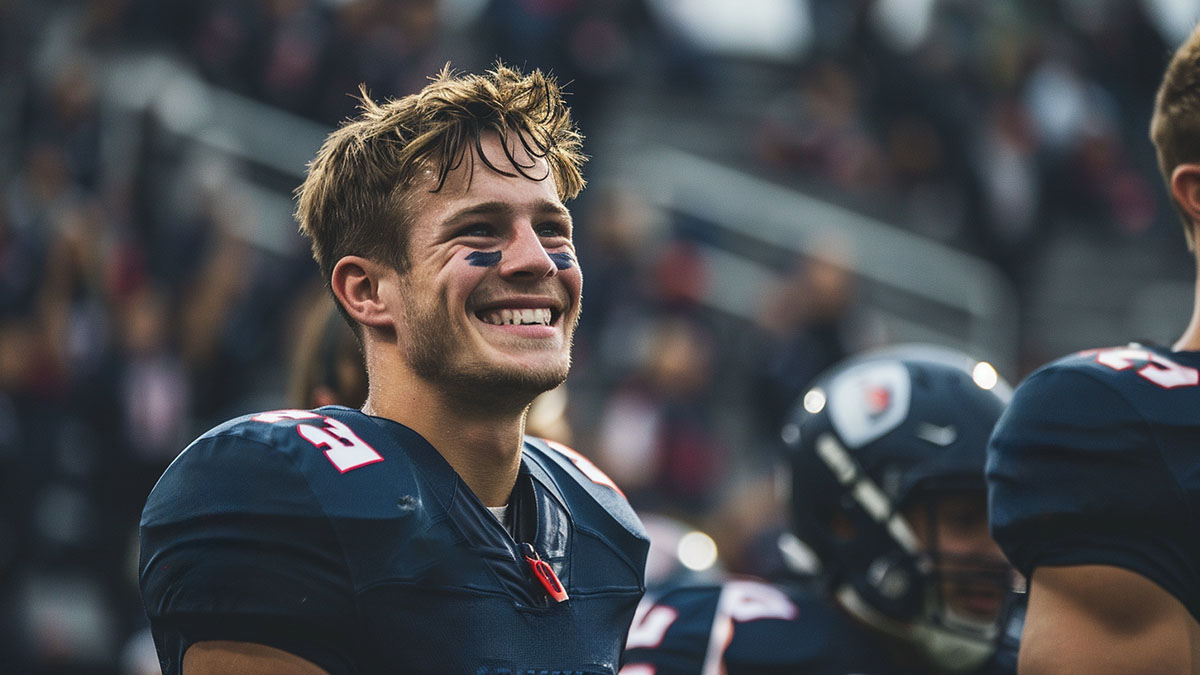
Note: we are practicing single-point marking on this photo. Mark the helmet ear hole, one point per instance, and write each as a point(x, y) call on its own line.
point(894, 584)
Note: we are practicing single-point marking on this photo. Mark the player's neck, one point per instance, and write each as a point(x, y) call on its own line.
point(482, 444)
point(1190, 340)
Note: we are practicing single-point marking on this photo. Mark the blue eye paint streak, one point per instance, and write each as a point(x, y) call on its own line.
point(484, 258)
point(562, 261)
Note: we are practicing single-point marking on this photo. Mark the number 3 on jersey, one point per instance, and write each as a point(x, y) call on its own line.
point(343, 447)
point(1158, 369)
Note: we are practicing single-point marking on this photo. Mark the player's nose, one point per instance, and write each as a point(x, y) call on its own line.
point(525, 256)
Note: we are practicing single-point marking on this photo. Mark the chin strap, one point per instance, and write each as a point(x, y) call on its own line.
point(952, 652)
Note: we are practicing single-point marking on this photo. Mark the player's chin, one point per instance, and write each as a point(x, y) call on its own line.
point(543, 375)
point(527, 384)
point(522, 367)
point(548, 352)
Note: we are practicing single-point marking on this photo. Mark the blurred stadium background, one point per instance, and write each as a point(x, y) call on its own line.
point(774, 184)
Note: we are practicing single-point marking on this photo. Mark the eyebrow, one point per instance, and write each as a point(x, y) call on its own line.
point(494, 208)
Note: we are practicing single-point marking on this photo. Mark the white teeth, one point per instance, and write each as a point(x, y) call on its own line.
point(517, 317)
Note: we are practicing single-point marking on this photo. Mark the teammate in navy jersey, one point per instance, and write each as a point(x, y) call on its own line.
point(425, 533)
point(887, 493)
point(1094, 471)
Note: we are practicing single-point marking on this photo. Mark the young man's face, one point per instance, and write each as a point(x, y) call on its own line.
point(972, 570)
point(491, 297)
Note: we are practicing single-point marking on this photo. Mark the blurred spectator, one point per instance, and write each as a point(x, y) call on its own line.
point(617, 239)
point(21, 259)
point(658, 437)
point(389, 45)
point(1010, 182)
point(67, 115)
point(806, 324)
point(225, 37)
point(327, 363)
point(547, 416)
point(41, 191)
point(819, 129)
point(589, 44)
point(295, 50)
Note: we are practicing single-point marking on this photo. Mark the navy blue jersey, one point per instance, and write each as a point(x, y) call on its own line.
point(349, 541)
point(747, 627)
point(1097, 462)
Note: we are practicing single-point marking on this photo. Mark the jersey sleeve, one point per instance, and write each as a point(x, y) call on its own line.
point(235, 547)
point(1076, 477)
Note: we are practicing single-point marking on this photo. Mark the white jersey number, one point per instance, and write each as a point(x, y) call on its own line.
point(342, 446)
point(1158, 369)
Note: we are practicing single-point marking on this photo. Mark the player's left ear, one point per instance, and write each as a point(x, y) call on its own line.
point(1185, 187)
point(359, 284)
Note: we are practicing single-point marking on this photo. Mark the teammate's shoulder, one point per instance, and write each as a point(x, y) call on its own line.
point(1122, 366)
point(746, 600)
point(749, 625)
point(786, 626)
point(1084, 362)
point(1098, 390)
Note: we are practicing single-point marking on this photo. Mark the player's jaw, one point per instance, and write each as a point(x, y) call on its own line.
point(469, 356)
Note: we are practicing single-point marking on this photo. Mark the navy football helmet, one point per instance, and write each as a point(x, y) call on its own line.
point(875, 446)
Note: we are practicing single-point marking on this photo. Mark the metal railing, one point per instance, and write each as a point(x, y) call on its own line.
point(946, 287)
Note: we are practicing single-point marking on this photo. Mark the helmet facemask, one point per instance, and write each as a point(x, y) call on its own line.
point(967, 582)
point(936, 588)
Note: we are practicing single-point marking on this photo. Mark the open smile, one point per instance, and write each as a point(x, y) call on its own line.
point(540, 316)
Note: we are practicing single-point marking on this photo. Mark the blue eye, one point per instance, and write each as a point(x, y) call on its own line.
point(477, 230)
point(552, 230)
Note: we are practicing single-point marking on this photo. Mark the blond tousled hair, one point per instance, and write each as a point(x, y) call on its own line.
point(359, 189)
point(1175, 126)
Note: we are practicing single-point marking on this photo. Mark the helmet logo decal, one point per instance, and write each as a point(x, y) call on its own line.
point(869, 400)
point(877, 400)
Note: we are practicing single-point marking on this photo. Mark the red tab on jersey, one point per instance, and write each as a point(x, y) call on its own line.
point(544, 573)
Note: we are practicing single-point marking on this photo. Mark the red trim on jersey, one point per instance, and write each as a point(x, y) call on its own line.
point(586, 466)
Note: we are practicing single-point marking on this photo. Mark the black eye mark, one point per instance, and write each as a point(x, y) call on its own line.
point(484, 258)
point(563, 261)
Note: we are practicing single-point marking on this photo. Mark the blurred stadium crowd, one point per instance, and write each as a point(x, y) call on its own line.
point(139, 303)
